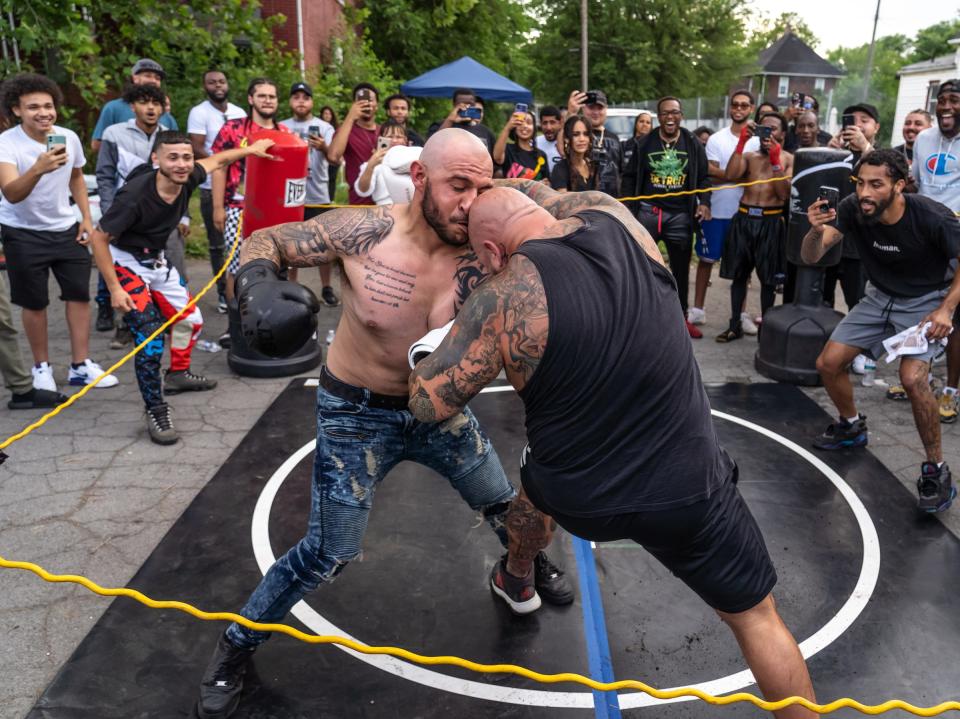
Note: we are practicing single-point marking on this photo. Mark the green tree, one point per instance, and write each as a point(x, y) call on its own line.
point(932, 42)
point(768, 30)
point(638, 50)
point(89, 46)
point(889, 57)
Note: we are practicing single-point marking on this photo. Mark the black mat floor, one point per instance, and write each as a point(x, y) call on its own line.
point(422, 585)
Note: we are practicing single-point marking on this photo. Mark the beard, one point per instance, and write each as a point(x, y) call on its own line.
point(880, 207)
point(219, 96)
point(173, 178)
point(266, 114)
point(431, 213)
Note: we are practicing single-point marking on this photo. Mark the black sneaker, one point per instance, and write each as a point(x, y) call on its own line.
point(935, 488)
point(104, 318)
point(224, 340)
point(36, 399)
point(160, 425)
point(843, 434)
point(550, 581)
point(122, 338)
point(329, 297)
point(519, 593)
point(186, 381)
point(223, 680)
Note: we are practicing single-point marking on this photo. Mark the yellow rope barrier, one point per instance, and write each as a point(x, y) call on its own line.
point(400, 653)
point(403, 653)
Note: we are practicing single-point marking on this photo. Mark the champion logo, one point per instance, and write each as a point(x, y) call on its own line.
point(937, 163)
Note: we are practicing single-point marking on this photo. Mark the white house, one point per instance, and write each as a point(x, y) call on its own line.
point(918, 87)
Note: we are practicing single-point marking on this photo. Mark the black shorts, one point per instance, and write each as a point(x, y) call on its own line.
point(754, 242)
point(32, 254)
point(714, 546)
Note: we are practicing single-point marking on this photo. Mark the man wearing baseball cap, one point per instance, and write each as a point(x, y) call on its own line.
point(936, 168)
point(144, 72)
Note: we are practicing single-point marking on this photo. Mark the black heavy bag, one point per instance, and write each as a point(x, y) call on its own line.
point(794, 334)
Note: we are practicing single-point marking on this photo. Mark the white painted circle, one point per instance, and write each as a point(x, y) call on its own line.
point(827, 634)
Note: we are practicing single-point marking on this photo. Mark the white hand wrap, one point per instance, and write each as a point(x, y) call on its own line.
point(427, 344)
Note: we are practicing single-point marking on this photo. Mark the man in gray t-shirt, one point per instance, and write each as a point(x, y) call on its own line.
point(318, 135)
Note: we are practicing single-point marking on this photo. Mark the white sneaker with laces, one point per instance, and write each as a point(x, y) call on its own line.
point(747, 323)
point(696, 316)
point(859, 365)
point(88, 372)
point(43, 377)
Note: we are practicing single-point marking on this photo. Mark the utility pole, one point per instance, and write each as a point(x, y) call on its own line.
point(873, 42)
point(584, 44)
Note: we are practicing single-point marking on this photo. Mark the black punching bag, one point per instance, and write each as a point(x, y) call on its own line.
point(794, 334)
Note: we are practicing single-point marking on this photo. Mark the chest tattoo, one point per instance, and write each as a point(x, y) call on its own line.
point(387, 285)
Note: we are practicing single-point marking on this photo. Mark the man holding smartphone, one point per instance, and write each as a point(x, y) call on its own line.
point(318, 135)
point(356, 139)
point(466, 115)
point(41, 167)
point(909, 245)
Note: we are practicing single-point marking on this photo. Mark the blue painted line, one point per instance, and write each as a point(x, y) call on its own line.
point(606, 704)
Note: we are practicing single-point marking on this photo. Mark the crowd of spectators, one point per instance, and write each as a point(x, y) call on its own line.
point(673, 169)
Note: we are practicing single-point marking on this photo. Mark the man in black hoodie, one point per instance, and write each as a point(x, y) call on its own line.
point(671, 160)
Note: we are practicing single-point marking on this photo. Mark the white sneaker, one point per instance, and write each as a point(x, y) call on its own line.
point(43, 377)
point(747, 323)
point(696, 316)
point(88, 372)
point(859, 365)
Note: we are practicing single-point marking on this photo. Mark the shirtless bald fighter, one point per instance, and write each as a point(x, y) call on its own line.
point(756, 236)
point(586, 321)
point(407, 269)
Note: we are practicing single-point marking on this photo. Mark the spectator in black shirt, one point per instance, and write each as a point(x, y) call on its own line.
point(642, 126)
point(521, 158)
point(575, 171)
point(128, 246)
point(909, 245)
point(800, 105)
point(671, 160)
point(606, 145)
point(467, 114)
point(914, 123)
point(398, 110)
point(807, 132)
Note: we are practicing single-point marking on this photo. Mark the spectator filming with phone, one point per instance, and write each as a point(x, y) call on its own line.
point(467, 115)
point(520, 158)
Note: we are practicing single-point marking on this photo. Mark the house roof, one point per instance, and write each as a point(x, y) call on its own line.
point(944, 62)
point(792, 56)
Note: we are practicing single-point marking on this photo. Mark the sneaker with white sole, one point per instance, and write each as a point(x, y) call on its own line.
point(519, 593)
point(43, 377)
point(747, 324)
point(87, 372)
point(696, 316)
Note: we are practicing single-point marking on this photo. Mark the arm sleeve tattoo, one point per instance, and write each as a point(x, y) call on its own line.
point(320, 240)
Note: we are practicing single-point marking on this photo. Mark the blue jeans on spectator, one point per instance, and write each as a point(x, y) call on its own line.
point(357, 445)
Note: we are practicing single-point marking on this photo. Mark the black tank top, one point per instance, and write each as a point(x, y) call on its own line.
point(616, 414)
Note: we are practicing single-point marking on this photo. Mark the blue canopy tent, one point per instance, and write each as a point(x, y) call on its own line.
point(466, 72)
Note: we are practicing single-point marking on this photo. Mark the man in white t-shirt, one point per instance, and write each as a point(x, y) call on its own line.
point(724, 204)
point(41, 166)
point(937, 173)
point(318, 135)
point(203, 124)
point(550, 124)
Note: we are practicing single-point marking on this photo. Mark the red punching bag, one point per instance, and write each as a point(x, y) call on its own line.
point(275, 189)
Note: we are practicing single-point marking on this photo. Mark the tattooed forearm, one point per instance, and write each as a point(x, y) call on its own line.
point(420, 405)
point(318, 241)
point(468, 275)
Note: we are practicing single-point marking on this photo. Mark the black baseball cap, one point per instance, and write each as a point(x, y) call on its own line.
point(601, 97)
point(948, 86)
point(863, 107)
point(301, 87)
point(147, 65)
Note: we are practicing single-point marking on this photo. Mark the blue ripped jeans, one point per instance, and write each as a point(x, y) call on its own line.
point(357, 446)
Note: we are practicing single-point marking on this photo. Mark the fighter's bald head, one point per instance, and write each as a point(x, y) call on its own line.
point(500, 220)
point(448, 146)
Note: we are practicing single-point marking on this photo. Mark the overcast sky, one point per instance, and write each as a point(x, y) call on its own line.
point(850, 22)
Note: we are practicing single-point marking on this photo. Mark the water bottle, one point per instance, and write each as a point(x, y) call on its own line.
point(330, 335)
point(869, 373)
point(208, 346)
